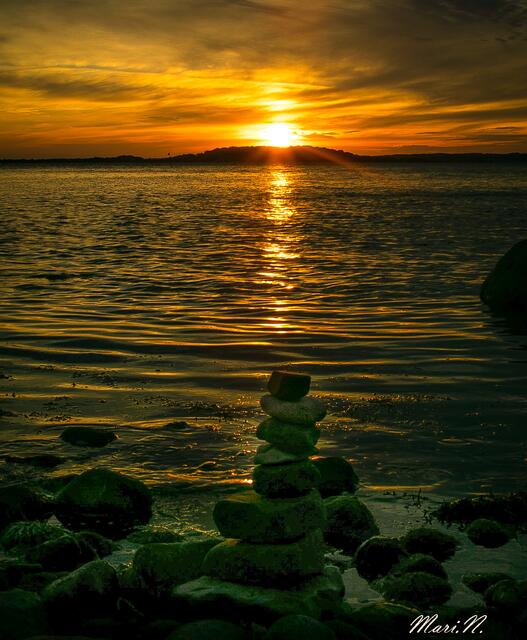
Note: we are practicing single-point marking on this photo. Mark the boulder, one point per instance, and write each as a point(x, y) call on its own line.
point(376, 556)
point(160, 566)
point(349, 523)
point(88, 592)
point(305, 411)
point(288, 437)
point(105, 502)
point(37, 582)
point(480, 582)
point(431, 542)
point(505, 288)
point(22, 615)
point(419, 562)
point(298, 627)
point(87, 436)
point(418, 589)
point(506, 597)
point(288, 386)
point(314, 597)
point(62, 554)
point(267, 454)
point(18, 537)
point(253, 518)
point(266, 564)
point(386, 620)
point(285, 480)
point(22, 502)
point(208, 630)
point(336, 476)
point(488, 533)
point(13, 570)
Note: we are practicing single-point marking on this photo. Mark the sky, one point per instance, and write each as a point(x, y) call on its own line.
point(157, 77)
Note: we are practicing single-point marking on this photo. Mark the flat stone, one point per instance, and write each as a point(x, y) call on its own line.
point(252, 518)
point(285, 480)
point(266, 564)
point(289, 437)
point(267, 454)
point(314, 597)
point(288, 386)
point(305, 411)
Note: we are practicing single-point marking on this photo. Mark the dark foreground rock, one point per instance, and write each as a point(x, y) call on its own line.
point(299, 627)
point(87, 436)
point(314, 597)
point(419, 562)
point(488, 533)
point(505, 288)
point(418, 589)
point(383, 620)
point(376, 557)
point(349, 523)
point(336, 476)
point(22, 502)
point(18, 537)
point(104, 501)
point(22, 615)
point(208, 630)
point(69, 551)
point(430, 541)
point(480, 582)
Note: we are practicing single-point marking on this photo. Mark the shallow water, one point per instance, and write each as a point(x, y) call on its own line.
point(136, 297)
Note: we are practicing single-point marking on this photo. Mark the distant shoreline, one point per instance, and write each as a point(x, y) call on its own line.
point(261, 156)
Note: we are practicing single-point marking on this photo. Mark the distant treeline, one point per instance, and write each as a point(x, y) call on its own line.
point(276, 155)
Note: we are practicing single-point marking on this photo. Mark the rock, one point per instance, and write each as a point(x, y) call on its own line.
point(429, 541)
point(18, 537)
point(252, 518)
point(505, 596)
point(104, 501)
point(419, 589)
point(22, 502)
point(345, 631)
point(305, 411)
point(88, 592)
point(159, 566)
point(208, 630)
point(288, 437)
point(44, 461)
point(87, 436)
point(37, 582)
point(337, 476)
point(385, 620)
point(101, 545)
point(314, 597)
point(154, 533)
point(488, 533)
point(419, 562)
point(505, 288)
point(22, 615)
point(267, 454)
point(13, 570)
point(266, 564)
point(349, 523)
point(507, 509)
point(62, 554)
point(376, 556)
point(298, 627)
point(288, 386)
point(285, 480)
point(480, 582)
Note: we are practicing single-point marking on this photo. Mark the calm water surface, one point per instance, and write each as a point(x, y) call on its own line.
point(136, 297)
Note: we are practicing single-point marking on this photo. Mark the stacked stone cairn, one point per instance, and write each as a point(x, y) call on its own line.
point(274, 533)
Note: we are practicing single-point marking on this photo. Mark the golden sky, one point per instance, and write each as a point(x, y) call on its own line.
point(152, 77)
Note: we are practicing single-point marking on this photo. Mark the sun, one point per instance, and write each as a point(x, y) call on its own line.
point(279, 135)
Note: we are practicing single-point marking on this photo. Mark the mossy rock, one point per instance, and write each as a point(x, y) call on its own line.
point(480, 582)
point(253, 518)
point(292, 438)
point(431, 542)
point(510, 509)
point(419, 562)
point(317, 596)
point(345, 631)
point(267, 454)
point(488, 533)
point(21, 502)
point(299, 627)
point(22, 615)
point(87, 436)
point(285, 480)
point(386, 620)
point(104, 501)
point(349, 523)
point(376, 556)
point(37, 582)
point(266, 564)
point(160, 566)
point(13, 570)
point(506, 597)
point(69, 551)
point(505, 288)
point(418, 589)
point(336, 476)
point(154, 533)
point(18, 537)
point(209, 630)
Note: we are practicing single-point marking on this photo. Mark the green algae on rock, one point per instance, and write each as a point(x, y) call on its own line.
point(253, 518)
point(419, 589)
point(270, 455)
point(209, 629)
point(349, 523)
point(386, 620)
point(18, 537)
point(299, 627)
point(289, 437)
point(430, 541)
point(488, 533)
point(376, 556)
point(336, 476)
point(285, 480)
point(419, 562)
point(22, 615)
point(23, 502)
point(480, 582)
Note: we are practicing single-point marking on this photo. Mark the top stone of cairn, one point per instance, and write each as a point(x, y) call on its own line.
point(288, 386)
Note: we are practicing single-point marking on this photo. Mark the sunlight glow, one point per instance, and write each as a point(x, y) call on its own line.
point(279, 135)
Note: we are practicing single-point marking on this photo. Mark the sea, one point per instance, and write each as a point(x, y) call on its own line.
point(156, 301)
